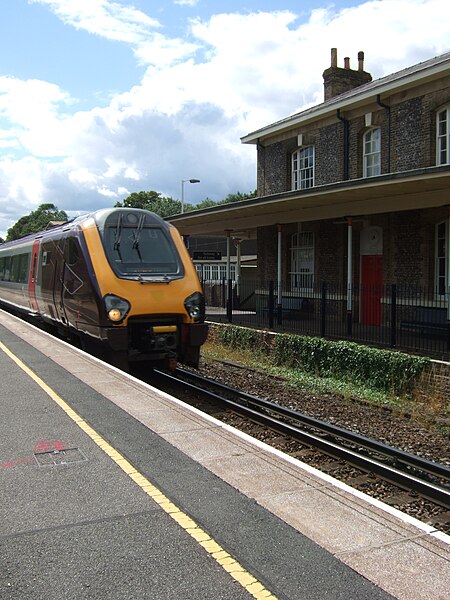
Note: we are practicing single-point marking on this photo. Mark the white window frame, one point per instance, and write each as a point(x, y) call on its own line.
point(302, 261)
point(443, 136)
point(302, 164)
point(441, 259)
point(214, 272)
point(372, 152)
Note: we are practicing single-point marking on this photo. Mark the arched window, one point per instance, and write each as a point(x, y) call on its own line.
point(303, 168)
point(443, 136)
point(372, 152)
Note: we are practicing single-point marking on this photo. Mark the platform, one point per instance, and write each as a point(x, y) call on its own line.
point(112, 489)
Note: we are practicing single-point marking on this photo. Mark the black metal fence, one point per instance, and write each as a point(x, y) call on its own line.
point(404, 317)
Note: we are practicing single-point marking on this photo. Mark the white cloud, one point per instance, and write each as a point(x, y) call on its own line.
point(116, 22)
point(197, 98)
point(186, 2)
point(110, 20)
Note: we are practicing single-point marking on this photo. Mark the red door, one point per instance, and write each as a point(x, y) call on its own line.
point(371, 288)
point(33, 276)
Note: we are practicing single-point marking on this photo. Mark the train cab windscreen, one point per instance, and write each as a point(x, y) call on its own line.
point(138, 247)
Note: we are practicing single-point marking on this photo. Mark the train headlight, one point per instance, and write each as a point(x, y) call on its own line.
point(117, 308)
point(195, 306)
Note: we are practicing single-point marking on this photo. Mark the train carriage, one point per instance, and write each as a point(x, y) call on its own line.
point(118, 280)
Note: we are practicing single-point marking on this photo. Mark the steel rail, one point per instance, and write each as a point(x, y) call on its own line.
point(397, 466)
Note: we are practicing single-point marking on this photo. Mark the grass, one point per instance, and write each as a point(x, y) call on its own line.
point(306, 382)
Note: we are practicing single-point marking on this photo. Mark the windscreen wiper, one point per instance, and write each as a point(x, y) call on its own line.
point(117, 236)
point(137, 236)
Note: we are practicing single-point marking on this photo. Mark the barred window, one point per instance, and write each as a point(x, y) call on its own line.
point(443, 137)
point(302, 260)
point(372, 152)
point(303, 168)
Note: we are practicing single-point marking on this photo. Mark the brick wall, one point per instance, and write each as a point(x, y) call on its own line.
point(411, 144)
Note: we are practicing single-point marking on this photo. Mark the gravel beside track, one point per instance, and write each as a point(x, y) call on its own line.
point(418, 435)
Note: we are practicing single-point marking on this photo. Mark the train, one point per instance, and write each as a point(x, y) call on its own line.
point(119, 282)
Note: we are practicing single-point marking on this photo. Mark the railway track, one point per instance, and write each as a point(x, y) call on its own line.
point(361, 462)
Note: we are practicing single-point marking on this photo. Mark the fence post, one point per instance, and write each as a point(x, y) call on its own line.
point(323, 307)
point(224, 301)
point(279, 314)
point(271, 303)
point(393, 315)
point(230, 301)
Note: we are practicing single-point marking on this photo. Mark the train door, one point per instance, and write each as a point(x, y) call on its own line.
point(371, 251)
point(33, 276)
point(58, 282)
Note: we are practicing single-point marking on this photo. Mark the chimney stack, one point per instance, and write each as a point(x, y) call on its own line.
point(337, 80)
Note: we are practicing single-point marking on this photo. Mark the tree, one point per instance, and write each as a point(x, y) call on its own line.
point(166, 206)
point(37, 220)
point(237, 197)
point(153, 201)
point(2, 241)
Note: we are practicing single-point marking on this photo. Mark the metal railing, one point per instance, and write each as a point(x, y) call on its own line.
point(400, 316)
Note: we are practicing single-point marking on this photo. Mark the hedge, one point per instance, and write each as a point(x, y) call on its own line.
point(384, 370)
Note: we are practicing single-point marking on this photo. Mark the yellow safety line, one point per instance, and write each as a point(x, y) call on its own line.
point(225, 560)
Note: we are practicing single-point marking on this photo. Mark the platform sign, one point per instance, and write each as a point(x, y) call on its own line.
point(207, 255)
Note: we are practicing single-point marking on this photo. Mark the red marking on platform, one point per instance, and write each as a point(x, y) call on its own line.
point(49, 445)
point(12, 463)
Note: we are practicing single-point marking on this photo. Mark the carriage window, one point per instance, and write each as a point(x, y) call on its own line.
point(19, 268)
point(23, 268)
point(14, 275)
point(71, 253)
point(6, 268)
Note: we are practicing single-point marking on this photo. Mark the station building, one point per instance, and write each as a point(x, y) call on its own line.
point(355, 193)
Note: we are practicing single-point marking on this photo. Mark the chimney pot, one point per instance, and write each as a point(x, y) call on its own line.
point(360, 60)
point(334, 57)
point(346, 63)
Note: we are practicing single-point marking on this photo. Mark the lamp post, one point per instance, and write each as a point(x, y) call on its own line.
point(183, 181)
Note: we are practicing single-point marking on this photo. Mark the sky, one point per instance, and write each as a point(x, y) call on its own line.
point(102, 98)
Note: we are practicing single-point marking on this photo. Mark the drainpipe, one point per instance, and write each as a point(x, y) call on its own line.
point(346, 144)
point(388, 108)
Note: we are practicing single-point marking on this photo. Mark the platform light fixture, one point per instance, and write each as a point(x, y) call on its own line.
point(183, 181)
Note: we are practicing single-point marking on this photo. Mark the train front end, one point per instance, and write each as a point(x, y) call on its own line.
point(152, 302)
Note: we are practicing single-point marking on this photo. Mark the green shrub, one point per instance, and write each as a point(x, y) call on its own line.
point(380, 369)
point(240, 338)
point(383, 370)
